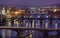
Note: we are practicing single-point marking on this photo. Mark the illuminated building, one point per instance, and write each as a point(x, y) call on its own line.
point(8, 14)
point(3, 10)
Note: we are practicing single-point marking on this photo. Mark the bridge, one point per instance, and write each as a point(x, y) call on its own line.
point(24, 28)
point(19, 30)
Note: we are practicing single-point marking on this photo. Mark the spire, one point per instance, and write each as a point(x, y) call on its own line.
point(3, 10)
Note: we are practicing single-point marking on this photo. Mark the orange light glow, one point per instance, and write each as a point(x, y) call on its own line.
point(17, 12)
point(8, 11)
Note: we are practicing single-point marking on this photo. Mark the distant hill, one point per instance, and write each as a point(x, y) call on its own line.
point(57, 5)
point(25, 6)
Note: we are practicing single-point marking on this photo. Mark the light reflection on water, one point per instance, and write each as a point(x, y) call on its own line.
point(12, 35)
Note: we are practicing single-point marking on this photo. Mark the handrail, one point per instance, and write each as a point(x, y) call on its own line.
point(24, 28)
point(33, 18)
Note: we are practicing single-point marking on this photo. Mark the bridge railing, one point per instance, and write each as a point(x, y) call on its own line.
point(34, 22)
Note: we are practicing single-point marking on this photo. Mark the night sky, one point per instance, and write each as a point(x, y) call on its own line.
point(30, 2)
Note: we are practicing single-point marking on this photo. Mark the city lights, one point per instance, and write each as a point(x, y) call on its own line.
point(17, 12)
point(30, 19)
